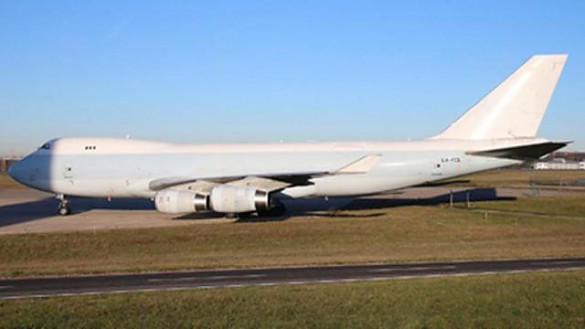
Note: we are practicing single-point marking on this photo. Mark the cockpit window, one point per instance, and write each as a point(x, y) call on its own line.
point(46, 146)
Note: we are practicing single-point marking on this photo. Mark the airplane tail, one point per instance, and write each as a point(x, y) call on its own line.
point(514, 109)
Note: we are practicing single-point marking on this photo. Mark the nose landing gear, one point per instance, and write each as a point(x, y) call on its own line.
point(64, 208)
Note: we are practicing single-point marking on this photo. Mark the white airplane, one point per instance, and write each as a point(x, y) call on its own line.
point(498, 131)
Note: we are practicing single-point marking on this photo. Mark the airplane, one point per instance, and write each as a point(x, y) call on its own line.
point(498, 131)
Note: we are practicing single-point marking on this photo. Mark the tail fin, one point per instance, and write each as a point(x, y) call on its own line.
point(514, 109)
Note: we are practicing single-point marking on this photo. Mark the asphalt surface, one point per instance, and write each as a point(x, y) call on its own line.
point(108, 284)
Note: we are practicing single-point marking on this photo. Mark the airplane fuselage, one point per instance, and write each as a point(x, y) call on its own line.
point(97, 167)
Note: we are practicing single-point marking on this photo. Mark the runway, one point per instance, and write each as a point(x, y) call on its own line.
point(109, 284)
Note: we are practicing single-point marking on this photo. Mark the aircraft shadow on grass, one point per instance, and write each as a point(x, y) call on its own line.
point(47, 207)
point(332, 207)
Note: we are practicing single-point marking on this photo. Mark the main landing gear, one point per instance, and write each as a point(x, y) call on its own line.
point(276, 210)
point(64, 208)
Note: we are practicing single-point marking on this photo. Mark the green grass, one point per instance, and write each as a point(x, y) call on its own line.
point(522, 178)
point(536, 300)
point(555, 206)
point(386, 235)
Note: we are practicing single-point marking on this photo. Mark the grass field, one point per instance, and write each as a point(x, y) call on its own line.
point(570, 206)
point(537, 300)
point(522, 178)
point(413, 233)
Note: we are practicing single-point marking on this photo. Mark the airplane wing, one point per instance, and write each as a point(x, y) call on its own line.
point(264, 181)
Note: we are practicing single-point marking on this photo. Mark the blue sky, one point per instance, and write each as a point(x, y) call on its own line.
point(249, 71)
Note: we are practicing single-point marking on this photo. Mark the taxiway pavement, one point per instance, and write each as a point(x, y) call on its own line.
point(183, 280)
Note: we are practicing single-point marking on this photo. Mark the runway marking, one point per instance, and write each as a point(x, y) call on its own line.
point(558, 262)
point(418, 268)
point(381, 274)
point(246, 276)
point(238, 285)
point(267, 284)
point(204, 278)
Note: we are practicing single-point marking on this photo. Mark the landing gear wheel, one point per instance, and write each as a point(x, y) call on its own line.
point(64, 211)
point(64, 208)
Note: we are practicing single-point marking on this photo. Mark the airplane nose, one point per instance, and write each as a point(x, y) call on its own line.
point(15, 172)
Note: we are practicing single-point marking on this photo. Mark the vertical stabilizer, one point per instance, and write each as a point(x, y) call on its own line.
point(514, 109)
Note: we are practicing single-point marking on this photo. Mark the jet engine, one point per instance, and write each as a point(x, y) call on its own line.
point(233, 199)
point(223, 198)
point(180, 201)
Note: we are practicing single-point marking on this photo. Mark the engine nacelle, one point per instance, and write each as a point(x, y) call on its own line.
point(180, 201)
point(234, 199)
point(223, 198)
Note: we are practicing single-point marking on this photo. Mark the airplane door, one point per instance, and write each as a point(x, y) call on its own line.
point(437, 169)
point(68, 172)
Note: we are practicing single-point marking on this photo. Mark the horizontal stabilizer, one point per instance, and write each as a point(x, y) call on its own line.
point(525, 152)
